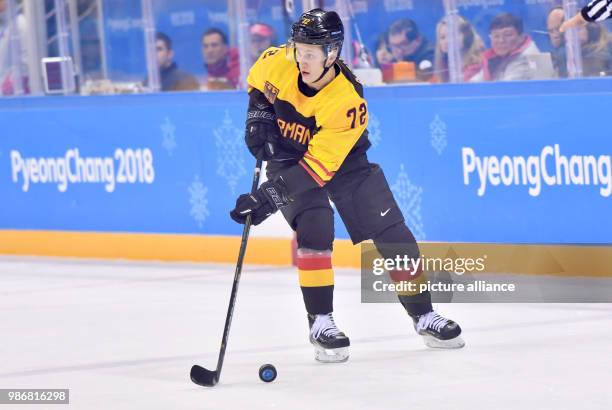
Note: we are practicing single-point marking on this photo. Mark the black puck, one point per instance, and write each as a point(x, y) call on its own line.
point(267, 373)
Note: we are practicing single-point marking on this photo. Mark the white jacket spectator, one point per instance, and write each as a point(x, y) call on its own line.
point(507, 59)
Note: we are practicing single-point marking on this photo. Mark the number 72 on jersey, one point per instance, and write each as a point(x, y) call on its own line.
point(352, 114)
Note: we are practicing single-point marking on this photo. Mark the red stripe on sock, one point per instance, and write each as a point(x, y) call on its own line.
point(405, 275)
point(314, 263)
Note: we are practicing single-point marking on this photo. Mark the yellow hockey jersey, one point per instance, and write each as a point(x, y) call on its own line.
point(321, 127)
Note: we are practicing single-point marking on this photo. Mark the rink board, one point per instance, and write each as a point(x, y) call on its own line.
point(492, 163)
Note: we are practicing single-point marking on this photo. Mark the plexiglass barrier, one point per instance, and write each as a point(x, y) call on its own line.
point(13, 51)
point(119, 46)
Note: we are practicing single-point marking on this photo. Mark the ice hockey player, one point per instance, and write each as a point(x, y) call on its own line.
point(307, 117)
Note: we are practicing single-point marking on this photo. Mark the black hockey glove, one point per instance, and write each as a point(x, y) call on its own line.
point(261, 137)
point(262, 131)
point(267, 199)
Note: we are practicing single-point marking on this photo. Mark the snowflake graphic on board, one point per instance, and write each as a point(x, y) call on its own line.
point(168, 130)
point(438, 134)
point(408, 197)
point(230, 152)
point(198, 199)
point(374, 130)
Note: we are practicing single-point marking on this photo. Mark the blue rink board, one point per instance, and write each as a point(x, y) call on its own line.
point(184, 161)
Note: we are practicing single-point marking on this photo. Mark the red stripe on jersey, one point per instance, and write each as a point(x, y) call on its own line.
point(313, 174)
point(314, 263)
point(316, 161)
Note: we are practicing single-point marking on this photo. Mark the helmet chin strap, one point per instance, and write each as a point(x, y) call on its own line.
point(325, 70)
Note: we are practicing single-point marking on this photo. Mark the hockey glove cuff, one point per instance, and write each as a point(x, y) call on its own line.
point(267, 199)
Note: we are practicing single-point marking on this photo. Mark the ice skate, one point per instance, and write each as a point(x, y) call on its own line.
point(331, 345)
point(438, 332)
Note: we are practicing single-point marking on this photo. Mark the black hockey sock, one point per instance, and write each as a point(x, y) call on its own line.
point(416, 305)
point(397, 240)
point(318, 300)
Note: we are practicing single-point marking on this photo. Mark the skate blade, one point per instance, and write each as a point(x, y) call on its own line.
point(340, 355)
point(456, 343)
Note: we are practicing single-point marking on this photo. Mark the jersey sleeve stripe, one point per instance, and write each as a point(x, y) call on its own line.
point(313, 174)
point(326, 172)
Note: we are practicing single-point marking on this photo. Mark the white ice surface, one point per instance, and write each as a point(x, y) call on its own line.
point(123, 335)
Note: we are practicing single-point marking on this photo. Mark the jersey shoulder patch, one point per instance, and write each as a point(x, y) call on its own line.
point(269, 62)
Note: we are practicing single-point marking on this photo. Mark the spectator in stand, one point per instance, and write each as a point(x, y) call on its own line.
point(595, 46)
point(171, 77)
point(383, 55)
point(507, 59)
point(7, 82)
point(557, 40)
point(221, 62)
point(596, 52)
point(553, 24)
point(407, 44)
point(471, 45)
point(262, 37)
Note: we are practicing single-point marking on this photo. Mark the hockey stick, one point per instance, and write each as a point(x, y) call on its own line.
point(200, 375)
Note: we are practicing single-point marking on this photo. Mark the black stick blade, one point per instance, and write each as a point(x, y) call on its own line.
point(203, 377)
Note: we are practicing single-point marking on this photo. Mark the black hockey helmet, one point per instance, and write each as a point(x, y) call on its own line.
point(319, 27)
